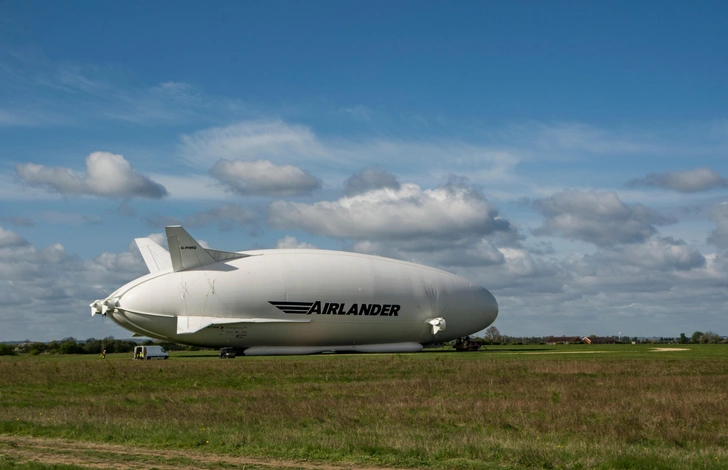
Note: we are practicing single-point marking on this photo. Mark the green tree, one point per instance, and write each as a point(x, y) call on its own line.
point(695, 338)
point(683, 339)
point(70, 347)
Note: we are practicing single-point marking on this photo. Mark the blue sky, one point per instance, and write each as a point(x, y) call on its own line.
point(569, 156)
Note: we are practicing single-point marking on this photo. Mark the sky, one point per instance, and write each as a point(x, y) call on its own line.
point(571, 157)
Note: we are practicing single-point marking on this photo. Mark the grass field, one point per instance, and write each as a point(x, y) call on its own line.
point(574, 406)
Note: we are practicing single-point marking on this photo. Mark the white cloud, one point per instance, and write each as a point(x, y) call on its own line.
point(661, 254)
point(449, 212)
point(107, 175)
point(290, 242)
point(689, 181)
point(263, 178)
point(597, 217)
point(9, 238)
point(54, 288)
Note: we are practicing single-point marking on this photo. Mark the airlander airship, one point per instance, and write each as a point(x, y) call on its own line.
point(294, 301)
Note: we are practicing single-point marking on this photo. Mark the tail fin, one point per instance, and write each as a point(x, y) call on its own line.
point(187, 253)
point(156, 258)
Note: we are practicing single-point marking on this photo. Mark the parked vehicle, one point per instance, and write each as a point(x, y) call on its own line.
point(467, 344)
point(227, 353)
point(150, 352)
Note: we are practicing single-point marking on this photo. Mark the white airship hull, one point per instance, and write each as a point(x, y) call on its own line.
point(298, 301)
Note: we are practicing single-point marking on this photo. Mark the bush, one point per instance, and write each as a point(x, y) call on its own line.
point(70, 347)
point(7, 350)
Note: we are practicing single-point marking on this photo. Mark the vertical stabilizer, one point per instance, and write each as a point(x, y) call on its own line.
point(155, 257)
point(185, 251)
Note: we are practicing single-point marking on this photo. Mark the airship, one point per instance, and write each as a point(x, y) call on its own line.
point(293, 301)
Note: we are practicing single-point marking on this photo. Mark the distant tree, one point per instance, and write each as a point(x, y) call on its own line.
point(683, 339)
point(695, 338)
point(493, 335)
point(37, 348)
point(7, 350)
point(711, 337)
point(92, 346)
point(70, 347)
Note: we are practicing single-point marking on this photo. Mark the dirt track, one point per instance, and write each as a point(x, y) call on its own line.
point(22, 449)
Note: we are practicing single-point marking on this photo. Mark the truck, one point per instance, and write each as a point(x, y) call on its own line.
point(467, 344)
point(227, 353)
point(150, 352)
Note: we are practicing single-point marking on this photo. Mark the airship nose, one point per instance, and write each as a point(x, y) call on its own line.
point(490, 306)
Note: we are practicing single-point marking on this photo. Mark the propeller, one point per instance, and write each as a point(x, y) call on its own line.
point(95, 307)
point(438, 324)
point(100, 307)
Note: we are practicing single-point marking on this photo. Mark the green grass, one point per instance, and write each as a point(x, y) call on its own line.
point(624, 406)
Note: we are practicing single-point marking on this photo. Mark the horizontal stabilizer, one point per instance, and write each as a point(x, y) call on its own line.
point(187, 253)
point(155, 257)
point(193, 324)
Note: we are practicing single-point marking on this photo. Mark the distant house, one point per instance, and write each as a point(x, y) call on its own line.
point(564, 340)
point(600, 340)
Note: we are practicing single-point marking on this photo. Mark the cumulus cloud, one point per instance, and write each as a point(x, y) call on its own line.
point(449, 212)
point(369, 178)
point(263, 178)
point(597, 217)
point(661, 254)
point(9, 238)
point(107, 175)
point(227, 216)
point(719, 236)
point(46, 291)
point(290, 242)
point(688, 181)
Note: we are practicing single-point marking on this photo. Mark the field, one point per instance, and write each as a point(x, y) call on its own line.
point(573, 406)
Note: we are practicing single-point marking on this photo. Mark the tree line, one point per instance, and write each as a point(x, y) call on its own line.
point(89, 346)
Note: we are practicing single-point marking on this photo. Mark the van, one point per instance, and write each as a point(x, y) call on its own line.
point(150, 352)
